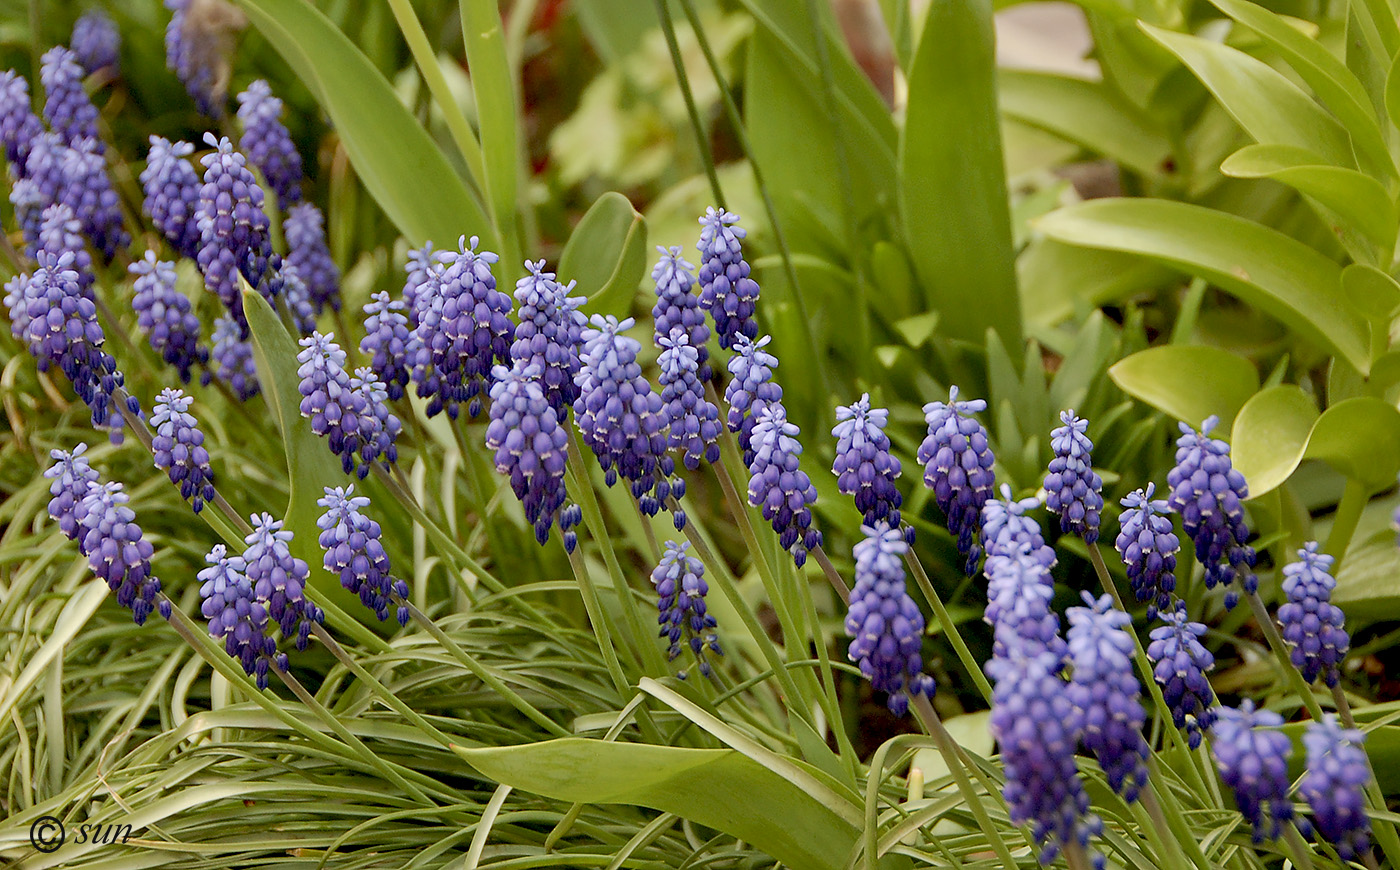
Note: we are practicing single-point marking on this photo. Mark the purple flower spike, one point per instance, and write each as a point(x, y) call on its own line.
point(681, 589)
point(1208, 493)
point(74, 174)
point(531, 448)
point(351, 412)
point(551, 327)
point(1007, 530)
point(726, 289)
point(116, 550)
point(1019, 594)
point(1180, 666)
point(235, 614)
point(19, 126)
point(179, 451)
point(297, 299)
point(958, 468)
point(305, 229)
point(163, 313)
point(1148, 547)
point(96, 42)
point(1337, 774)
point(1252, 756)
point(233, 358)
point(198, 45)
point(268, 144)
point(67, 106)
point(1072, 489)
point(355, 554)
point(233, 228)
point(693, 423)
point(1106, 693)
point(779, 486)
point(386, 342)
point(1311, 622)
point(61, 232)
point(751, 387)
point(72, 479)
point(279, 578)
point(864, 467)
point(172, 194)
point(677, 306)
point(884, 621)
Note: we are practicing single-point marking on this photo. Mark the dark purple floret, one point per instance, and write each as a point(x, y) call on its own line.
point(115, 548)
point(691, 420)
point(1209, 493)
point(164, 314)
point(233, 359)
point(530, 446)
point(681, 589)
point(1180, 666)
point(1072, 489)
point(1311, 622)
point(279, 578)
point(19, 126)
point(1337, 774)
point(1148, 547)
point(305, 231)
point(550, 331)
point(958, 468)
point(235, 614)
point(1252, 756)
point(96, 42)
point(179, 451)
point(1106, 693)
point(1007, 530)
point(61, 232)
point(268, 144)
point(751, 387)
point(67, 106)
point(386, 342)
point(233, 229)
point(1019, 594)
point(726, 289)
point(677, 306)
point(355, 554)
point(72, 479)
point(779, 486)
point(864, 466)
point(172, 194)
point(886, 624)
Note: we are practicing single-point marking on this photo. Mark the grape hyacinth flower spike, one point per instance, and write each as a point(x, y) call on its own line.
point(386, 342)
point(1072, 489)
point(1312, 624)
point(351, 412)
point(1019, 594)
point(233, 228)
point(1106, 692)
point(116, 550)
point(548, 335)
point(355, 554)
point(958, 468)
point(531, 448)
point(1180, 664)
point(198, 49)
point(72, 479)
point(726, 289)
point(61, 232)
point(179, 451)
point(681, 589)
point(233, 359)
point(677, 306)
point(885, 622)
point(1337, 773)
point(164, 314)
point(1252, 756)
point(1006, 529)
point(279, 578)
point(1148, 547)
point(864, 466)
point(96, 42)
point(19, 126)
point(1209, 493)
point(268, 144)
point(691, 420)
point(751, 387)
point(235, 614)
point(307, 252)
point(172, 191)
point(779, 486)
point(67, 106)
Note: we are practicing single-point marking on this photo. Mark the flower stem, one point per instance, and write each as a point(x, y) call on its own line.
point(950, 629)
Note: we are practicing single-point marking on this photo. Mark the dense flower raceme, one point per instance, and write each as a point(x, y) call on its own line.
point(1037, 726)
point(691, 420)
point(1337, 772)
point(1252, 756)
point(233, 228)
point(726, 289)
point(548, 335)
point(351, 412)
point(531, 447)
point(958, 468)
point(172, 191)
point(74, 174)
point(1106, 693)
point(1148, 547)
point(198, 42)
point(19, 126)
point(178, 446)
point(355, 554)
point(268, 144)
point(1072, 489)
point(620, 417)
point(1019, 594)
point(61, 232)
point(681, 589)
point(676, 305)
point(67, 106)
point(750, 388)
point(72, 478)
point(233, 359)
point(779, 487)
point(884, 620)
point(1180, 665)
point(307, 252)
point(236, 615)
point(96, 42)
point(163, 313)
point(864, 466)
point(279, 578)
point(1007, 530)
point(386, 342)
point(1311, 622)
point(1209, 493)
point(116, 550)
point(297, 299)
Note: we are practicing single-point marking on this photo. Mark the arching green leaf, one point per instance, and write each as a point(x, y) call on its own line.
point(1189, 383)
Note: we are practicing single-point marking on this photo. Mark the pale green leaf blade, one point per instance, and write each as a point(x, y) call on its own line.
point(1368, 583)
point(1189, 383)
point(493, 86)
point(1270, 436)
point(1360, 438)
point(607, 255)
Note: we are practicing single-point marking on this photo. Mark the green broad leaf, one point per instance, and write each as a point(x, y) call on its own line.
point(1189, 383)
point(1336, 86)
point(1360, 438)
point(400, 165)
point(1357, 198)
point(1059, 281)
point(1371, 292)
point(1088, 113)
point(1368, 583)
point(1273, 272)
point(1270, 437)
point(952, 195)
point(719, 788)
point(493, 86)
point(607, 255)
point(917, 329)
point(1267, 105)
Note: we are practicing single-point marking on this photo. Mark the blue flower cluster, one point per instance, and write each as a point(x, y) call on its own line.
point(164, 314)
point(307, 252)
point(1006, 530)
point(73, 173)
point(779, 486)
point(67, 106)
point(233, 359)
point(1106, 694)
point(60, 232)
point(1311, 622)
point(1019, 595)
point(1337, 771)
point(355, 554)
point(1148, 547)
point(267, 143)
point(691, 420)
point(751, 387)
point(236, 615)
point(353, 413)
point(386, 342)
point(198, 41)
point(96, 42)
point(1180, 665)
point(864, 466)
point(172, 189)
point(233, 228)
point(1252, 756)
point(531, 448)
point(725, 286)
point(681, 589)
point(885, 622)
point(1208, 493)
point(179, 451)
point(677, 306)
point(19, 126)
point(957, 464)
point(548, 335)
point(279, 578)
point(1072, 488)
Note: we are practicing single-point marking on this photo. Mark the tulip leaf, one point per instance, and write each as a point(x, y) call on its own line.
point(607, 255)
point(1270, 436)
point(1360, 438)
point(1189, 383)
point(1368, 583)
